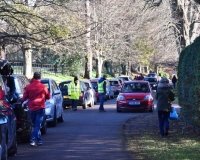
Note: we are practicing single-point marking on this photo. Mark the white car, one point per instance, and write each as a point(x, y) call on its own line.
point(53, 106)
point(125, 78)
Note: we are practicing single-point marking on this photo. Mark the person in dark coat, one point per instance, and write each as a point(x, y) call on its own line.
point(164, 97)
point(174, 81)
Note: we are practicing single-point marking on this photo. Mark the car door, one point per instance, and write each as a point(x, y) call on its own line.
point(57, 97)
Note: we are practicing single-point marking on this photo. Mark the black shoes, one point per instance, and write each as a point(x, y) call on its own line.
point(74, 109)
point(102, 110)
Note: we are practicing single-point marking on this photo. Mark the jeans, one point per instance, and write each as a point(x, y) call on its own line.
point(102, 98)
point(174, 85)
point(36, 119)
point(74, 103)
point(163, 118)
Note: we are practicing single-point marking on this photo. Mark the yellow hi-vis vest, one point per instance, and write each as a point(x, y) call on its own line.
point(100, 87)
point(74, 90)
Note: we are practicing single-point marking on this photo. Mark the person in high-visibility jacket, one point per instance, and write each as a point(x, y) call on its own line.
point(74, 92)
point(102, 92)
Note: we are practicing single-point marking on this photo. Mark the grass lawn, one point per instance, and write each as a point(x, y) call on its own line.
point(144, 141)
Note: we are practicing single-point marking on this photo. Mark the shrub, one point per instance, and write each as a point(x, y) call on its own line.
point(189, 83)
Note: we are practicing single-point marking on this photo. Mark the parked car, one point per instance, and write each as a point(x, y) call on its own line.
point(125, 78)
point(135, 96)
point(109, 91)
point(90, 88)
point(85, 99)
point(95, 86)
point(120, 80)
point(115, 86)
point(152, 81)
point(24, 127)
point(53, 106)
point(8, 143)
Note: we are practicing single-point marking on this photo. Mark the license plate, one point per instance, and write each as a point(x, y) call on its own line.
point(65, 96)
point(134, 103)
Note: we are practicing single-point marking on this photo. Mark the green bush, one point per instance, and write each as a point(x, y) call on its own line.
point(189, 83)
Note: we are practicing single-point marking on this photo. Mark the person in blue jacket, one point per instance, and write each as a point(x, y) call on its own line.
point(102, 92)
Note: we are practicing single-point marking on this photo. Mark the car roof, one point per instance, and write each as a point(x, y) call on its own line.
point(135, 81)
point(151, 77)
point(65, 81)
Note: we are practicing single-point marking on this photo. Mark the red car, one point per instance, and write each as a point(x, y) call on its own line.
point(135, 96)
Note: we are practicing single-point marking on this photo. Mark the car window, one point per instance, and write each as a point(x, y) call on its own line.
point(135, 87)
point(46, 83)
point(55, 87)
point(112, 83)
point(64, 85)
point(87, 84)
point(18, 85)
point(124, 78)
point(150, 79)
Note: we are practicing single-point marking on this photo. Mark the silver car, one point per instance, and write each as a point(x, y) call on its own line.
point(53, 106)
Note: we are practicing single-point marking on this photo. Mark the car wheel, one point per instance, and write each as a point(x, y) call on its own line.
point(43, 130)
point(60, 119)
point(53, 123)
point(13, 149)
point(112, 97)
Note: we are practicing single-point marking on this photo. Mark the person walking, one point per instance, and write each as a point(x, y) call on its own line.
point(36, 93)
point(174, 81)
point(74, 92)
point(102, 92)
point(164, 97)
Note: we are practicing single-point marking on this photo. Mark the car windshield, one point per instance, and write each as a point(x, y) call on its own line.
point(64, 87)
point(124, 78)
point(135, 87)
point(152, 75)
point(150, 79)
point(113, 83)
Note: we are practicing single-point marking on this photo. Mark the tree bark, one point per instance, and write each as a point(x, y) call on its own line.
point(88, 65)
point(3, 51)
point(27, 53)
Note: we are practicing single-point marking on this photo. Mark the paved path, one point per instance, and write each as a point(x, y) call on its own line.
point(85, 134)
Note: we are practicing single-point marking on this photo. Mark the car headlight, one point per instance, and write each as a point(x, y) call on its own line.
point(120, 98)
point(148, 98)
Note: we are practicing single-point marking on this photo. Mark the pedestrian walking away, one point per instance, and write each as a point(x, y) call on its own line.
point(74, 92)
point(164, 97)
point(102, 92)
point(174, 81)
point(36, 93)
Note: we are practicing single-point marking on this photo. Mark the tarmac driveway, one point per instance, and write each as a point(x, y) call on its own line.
point(85, 134)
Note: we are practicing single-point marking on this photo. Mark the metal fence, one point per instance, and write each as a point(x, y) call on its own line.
point(45, 69)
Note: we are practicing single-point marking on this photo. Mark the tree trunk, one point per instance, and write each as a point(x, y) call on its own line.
point(99, 63)
point(106, 65)
point(123, 69)
point(27, 53)
point(111, 69)
point(3, 51)
point(88, 58)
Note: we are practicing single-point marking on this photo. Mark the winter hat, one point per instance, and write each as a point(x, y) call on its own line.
point(75, 78)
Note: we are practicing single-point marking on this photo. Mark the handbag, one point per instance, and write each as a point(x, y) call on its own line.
point(173, 114)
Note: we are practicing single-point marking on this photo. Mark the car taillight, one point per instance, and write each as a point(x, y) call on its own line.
point(81, 96)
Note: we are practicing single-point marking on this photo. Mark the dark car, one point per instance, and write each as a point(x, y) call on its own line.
point(152, 81)
point(135, 96)
point(84, 99)
point(8, 143)
point(24, 127)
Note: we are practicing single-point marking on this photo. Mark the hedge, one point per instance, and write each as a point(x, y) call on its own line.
point(189, 83)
